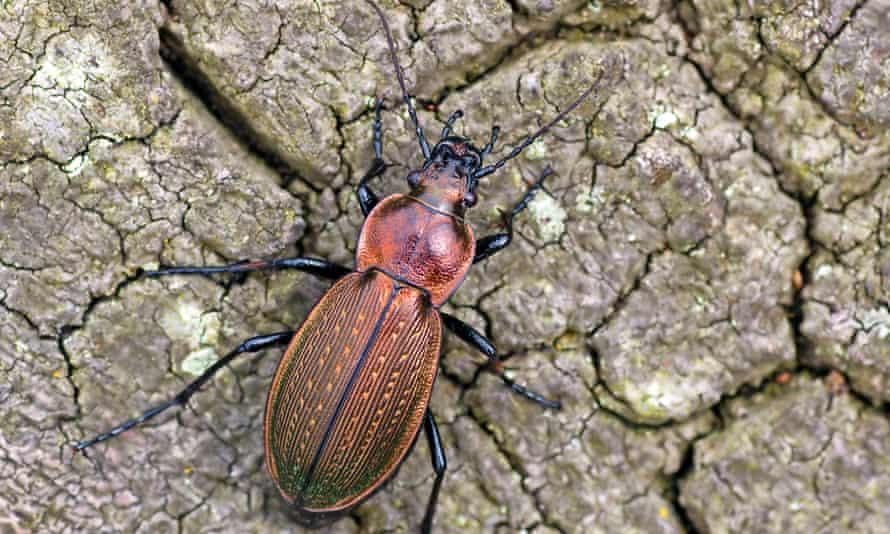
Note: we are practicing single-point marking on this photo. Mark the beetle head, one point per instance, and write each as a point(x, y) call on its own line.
point(447, 179)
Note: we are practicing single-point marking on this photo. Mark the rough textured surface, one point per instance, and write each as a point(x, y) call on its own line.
point(763, 473)
point(732, 154)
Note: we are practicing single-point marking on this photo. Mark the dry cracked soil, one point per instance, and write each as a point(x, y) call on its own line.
point(704, 283)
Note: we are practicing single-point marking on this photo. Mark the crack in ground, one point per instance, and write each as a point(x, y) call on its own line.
point(239, 125)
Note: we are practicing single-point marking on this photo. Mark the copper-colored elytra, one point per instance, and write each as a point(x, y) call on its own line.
point(363, 431)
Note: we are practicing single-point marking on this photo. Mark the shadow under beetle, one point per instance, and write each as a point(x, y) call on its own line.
point(352, 390)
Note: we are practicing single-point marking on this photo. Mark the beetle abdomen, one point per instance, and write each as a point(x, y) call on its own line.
point(350, 392)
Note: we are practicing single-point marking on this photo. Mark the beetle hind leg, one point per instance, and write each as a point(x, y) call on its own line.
point(437, 454)
point(253, 344)
point(477, 340)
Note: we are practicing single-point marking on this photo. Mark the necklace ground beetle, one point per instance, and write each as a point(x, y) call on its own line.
point(352, 391)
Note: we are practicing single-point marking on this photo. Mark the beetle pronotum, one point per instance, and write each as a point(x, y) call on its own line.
point(351, 393)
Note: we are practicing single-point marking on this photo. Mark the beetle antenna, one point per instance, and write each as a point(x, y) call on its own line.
point(485, 171)
point(424, 146)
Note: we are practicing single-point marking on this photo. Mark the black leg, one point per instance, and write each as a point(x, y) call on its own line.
point(477, 340)
point(486, 150)
point(437, 454)
point(321, 268)
point(488, 245)
point(253, 344)
point(446, 131)
point(366, 197)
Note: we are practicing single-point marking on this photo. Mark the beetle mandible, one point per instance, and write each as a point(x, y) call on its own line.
point(351, 393)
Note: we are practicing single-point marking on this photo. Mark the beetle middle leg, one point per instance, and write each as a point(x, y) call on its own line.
point(491, 244)
point(253, 344)
point(322, 268)
point(477, 340)
point(437, 454)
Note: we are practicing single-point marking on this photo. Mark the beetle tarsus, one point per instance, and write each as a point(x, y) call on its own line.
point(367, 199)
point(495, 131)
point(253, 344)
point(489, 245)
point(446, 131)
point(481, 343)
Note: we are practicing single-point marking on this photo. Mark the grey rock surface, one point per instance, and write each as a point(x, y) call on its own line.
point(800, 457)
point(714, 235)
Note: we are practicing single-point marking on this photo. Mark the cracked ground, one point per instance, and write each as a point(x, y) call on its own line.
point(704, 283)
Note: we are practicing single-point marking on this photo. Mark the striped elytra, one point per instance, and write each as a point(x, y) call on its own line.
point(344, 409)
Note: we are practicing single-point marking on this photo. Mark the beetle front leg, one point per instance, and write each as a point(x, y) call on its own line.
point(437, 454)
point(477, 340)
point(491, 244)
point(253, 344)
point(322, 268)
point(367, 199)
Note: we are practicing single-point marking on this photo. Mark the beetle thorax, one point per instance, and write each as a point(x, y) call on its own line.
point(413, 240)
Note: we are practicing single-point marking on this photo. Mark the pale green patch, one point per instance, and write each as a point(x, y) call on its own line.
point(822, 272)
point(76, 165)
point(188, 323)
point(665, 120)
point(589, 201)
point(549, 215)
point(660, 396)
point(75, 64)
point(197, 361)
point(594, 6)
point(690, 133)
point(537, 150)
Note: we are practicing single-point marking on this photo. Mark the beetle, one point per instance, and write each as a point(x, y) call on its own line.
point(351, 392)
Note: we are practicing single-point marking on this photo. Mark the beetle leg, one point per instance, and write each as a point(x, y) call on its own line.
point(253, 344)
point(367, 199)
point(477, 340)
point(437, 454)
point(488, 245)
point(315, 266)
point(446, 131)
point(486, 150)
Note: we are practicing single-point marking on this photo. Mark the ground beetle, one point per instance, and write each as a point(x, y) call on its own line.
point(352, 391)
